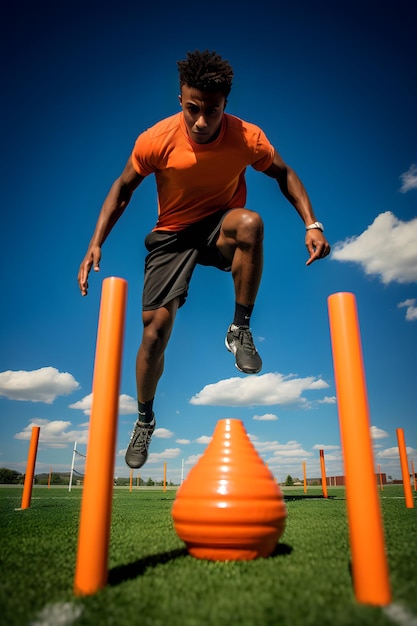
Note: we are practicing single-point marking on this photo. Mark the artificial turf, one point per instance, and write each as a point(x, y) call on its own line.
point(153, 581)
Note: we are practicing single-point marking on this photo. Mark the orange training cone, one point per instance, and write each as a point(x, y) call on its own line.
point(229, 507)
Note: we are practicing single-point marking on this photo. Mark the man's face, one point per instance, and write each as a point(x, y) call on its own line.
point(203, 112)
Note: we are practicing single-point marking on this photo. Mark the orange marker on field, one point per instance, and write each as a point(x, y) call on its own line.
point(409, 501)
point(305, 476)
point(323, 474)
point(94, 531)
point(369, 563)
point(229, 508)
point(30, 468)
point(381, 486)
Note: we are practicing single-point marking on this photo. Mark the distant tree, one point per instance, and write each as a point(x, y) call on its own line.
point(289, 482)
point(9, 477)
point(150, 482)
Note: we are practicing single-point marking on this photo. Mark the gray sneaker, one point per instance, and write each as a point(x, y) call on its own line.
point(239, 341)
point(137, 450)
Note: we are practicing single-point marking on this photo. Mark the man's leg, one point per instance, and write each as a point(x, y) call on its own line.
point(241, 242)
point(157, 328)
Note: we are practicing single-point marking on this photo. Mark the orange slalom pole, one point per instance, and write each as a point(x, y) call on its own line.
point(131, 480)
point(323, 474)
point(413, 474)
point(30, 468)
point(409, 501)
point(305, 477)
point(94, 530)
point(381, 486)
point(369, 562)
point(165, 476)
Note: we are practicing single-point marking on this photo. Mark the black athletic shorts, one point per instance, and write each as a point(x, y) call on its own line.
point(173, 256)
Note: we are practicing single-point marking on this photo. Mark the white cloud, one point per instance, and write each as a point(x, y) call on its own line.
point(322, 446)
point(184, 442)
point(328, 400)
point(127, 404)
point(264, 446)
point(393, 453)
point(204, 439)
point(268, 389)
point(193, 458)
point(409, 179)
point(169, 453)
point(291, 449)
point(378, 433)
point(386, 248)
point(411, 313)
point(163, 433)
point(55, 433)
point(388, 453)
point(267, 417)
point(42, 385)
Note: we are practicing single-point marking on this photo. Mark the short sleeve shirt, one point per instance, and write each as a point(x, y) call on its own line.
point(197, 180)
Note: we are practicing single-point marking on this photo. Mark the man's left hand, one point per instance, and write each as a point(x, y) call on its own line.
point(317, 245)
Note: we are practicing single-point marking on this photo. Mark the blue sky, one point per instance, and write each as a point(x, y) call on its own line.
point(333, 86)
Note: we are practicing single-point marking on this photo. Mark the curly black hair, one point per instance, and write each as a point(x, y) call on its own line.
point(206, 71)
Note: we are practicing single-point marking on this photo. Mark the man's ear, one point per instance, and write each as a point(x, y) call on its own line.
point(180, 99)
point(225, 103)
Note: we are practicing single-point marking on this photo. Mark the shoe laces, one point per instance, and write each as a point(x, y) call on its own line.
point(141, 437)
point(245, 338)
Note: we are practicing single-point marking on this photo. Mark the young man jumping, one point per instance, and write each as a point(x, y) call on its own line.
point(198, 157)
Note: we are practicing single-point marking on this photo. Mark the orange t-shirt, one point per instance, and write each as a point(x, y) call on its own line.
point(196, 180)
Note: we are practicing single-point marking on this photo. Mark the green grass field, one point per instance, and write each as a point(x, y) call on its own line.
point(154, 582)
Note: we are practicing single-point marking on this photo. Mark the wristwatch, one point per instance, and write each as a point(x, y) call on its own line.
point(318, 225)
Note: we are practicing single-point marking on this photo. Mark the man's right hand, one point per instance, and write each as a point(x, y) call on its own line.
point(91, 259)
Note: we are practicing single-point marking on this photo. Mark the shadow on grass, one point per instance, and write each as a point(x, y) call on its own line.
point(121, 573)
point(281, 549)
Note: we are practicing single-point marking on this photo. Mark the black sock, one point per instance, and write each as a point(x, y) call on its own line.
point(242, 314)
point(145, 411)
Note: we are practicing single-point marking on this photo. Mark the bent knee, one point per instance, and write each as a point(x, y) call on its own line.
point(157, 327)
point(250, 228)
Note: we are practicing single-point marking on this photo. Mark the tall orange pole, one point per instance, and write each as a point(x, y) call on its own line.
point(381, 486)
point(409, 501)
point(323, 474)
point(95, 518)
point(413, 474)
point(305, 476)
point(131, 480)
point(30, 468)
point(369, 562)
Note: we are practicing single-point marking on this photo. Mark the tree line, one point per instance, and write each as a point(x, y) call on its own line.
point(12, 477)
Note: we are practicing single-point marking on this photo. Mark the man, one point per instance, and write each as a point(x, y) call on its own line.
point(198, 157)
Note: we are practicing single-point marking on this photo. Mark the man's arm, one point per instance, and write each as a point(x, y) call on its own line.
point(113, 206)
point(293, 189)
